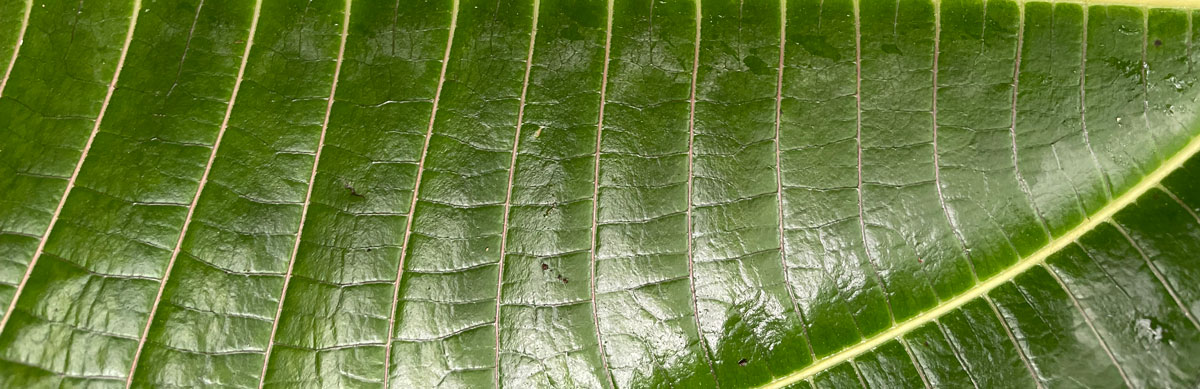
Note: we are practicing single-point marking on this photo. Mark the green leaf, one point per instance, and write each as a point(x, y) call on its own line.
point(574, 193)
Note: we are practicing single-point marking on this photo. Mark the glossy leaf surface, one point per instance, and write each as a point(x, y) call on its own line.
point(574, 193)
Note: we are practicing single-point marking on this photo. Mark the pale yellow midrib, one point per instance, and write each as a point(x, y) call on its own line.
point(1148, 182)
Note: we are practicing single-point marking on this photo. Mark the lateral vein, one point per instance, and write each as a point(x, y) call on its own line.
point(512, 167)
point(688, 213)
point(1087, 141)
point(1012, 129)
point(287, 277)
point(937, 161)
point(596, 195)
point(779, 178)
point(412, 205)
point(212, 156)
point(1013, 338)
point(1150, 181)
point(87, 146)
point(17, 49)
point(1087, 319)
point(1157, 274)
point(862, 222)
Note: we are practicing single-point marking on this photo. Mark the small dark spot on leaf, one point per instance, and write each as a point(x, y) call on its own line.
point(368, 250)
point(818, 46)
point(353, 192)
point(571, 33)
point(926, 343)
point(743, 362)
point(757, 65)
point(1157, 42)
point(545, 267)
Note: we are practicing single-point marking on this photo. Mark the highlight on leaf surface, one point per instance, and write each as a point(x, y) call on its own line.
point(582, 193)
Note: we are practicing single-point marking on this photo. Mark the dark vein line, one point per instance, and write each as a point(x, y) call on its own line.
point(913, 359)
point(779, 179)
point(1016, 344)
point(862, 223)
point(1179, 201)
point(1107, 275)
point(1058, 165)
point(437, 95)
point(66, 53)
point(312, 177)
point(1088, 320)
point(87, 146)
point(854, 364)
point(1012, 129)
point(1087, 141)
point(937, 169)
point(825, 269)
point(956, 348)
point(1157, 274)
point(186, 47)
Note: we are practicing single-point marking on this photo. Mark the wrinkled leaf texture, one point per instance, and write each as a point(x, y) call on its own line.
point(571, 193)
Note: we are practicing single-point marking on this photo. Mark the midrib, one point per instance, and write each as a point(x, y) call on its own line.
point(1102, 215)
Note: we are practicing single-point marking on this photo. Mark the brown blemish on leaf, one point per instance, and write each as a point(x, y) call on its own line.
point(353, 192)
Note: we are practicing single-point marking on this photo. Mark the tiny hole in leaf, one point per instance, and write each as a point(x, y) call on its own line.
point(743, 362)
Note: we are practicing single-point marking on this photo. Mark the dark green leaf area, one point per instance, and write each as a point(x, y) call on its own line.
point(579, 193)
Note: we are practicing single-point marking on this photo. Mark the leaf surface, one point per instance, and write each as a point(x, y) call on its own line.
point(569, 193)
